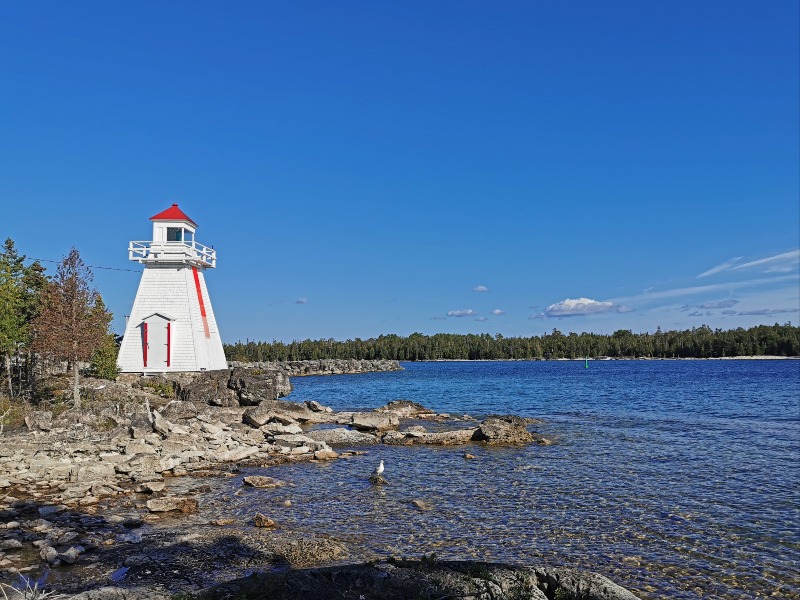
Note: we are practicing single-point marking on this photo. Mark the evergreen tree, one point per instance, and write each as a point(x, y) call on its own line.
point(20, 291)
point(73, 322)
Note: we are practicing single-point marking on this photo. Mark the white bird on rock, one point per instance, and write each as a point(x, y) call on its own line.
point(378, 470)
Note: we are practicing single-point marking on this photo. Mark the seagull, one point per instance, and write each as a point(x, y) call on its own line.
point(378, 470)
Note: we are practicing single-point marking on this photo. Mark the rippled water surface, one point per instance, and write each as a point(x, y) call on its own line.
point(676, 479)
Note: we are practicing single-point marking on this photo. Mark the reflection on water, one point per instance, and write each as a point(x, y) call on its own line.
point(676, 479)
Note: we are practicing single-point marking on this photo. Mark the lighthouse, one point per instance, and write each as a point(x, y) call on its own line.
point(172, 327)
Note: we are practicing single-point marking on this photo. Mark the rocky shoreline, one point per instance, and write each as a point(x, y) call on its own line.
point(114, 496)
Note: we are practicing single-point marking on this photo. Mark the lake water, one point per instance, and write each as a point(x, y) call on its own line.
point(676, 479)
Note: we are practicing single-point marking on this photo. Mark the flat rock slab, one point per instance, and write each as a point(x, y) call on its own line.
point(172, 503)
point(261, 481)
point(341, 436)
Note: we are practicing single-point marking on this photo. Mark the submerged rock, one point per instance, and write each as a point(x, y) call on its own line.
point(261, 520)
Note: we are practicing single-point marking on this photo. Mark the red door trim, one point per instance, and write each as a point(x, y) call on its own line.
point(144, 343)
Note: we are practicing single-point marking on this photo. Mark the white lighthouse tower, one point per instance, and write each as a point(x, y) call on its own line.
point(172, 326)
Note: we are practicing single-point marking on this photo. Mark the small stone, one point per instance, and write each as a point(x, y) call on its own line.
point(263, 521)
point(325, 454)
point(6, 545)
point(222, 522)
point(72, 554)
point(469, 456)
point(46, 511)
point(49, 554)
point(132, 537)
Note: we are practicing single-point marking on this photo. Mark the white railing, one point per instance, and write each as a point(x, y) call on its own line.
point(183, 252)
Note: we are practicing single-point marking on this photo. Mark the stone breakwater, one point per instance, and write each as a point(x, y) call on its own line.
point(332, 366)
point(96, 490)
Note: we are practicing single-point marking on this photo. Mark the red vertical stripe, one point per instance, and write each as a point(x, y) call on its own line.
point(144, 343)
point(169, 340)
point(200, 301)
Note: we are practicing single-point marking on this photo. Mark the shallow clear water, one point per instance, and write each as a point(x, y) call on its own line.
point(675, 478)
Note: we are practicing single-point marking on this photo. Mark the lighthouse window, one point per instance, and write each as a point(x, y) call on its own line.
point(174, 234)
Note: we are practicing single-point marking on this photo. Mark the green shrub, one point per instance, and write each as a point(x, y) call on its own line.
point(104, 359)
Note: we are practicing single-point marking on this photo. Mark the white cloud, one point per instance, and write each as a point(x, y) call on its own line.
point(582, 306)
point(728, 312)
point(301, 301)
point(482, 319)
point(720, 304)
point(497, 311)
point(464, 312)
point(480, 288)
point(721, 267)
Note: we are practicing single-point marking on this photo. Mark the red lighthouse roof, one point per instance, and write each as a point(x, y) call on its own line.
point(173, 213)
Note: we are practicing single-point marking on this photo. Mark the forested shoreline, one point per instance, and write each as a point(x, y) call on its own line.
point(699, 342)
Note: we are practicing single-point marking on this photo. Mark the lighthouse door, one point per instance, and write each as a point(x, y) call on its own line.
point(156, 342)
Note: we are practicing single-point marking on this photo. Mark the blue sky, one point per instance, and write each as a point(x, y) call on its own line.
point(450, 166)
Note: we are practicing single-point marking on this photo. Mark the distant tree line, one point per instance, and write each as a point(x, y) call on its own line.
point(699, 342)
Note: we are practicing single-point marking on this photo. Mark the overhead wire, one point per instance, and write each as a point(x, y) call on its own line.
point(58, 261)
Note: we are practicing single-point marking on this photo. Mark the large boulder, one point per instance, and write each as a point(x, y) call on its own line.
point(207, 387)
point(179, 410)
point(426, 578)
point(39, 420)
point(503, 429)
point(254, 386)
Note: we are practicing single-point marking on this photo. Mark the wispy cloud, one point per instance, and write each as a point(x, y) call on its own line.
point(770, 311)
point(497, 311)
point(720, 304)
point(728, 312)
point(699, 289)
point(721, 267)
point(480, 288)
point(782, 261)
point(464, 312)
point(482, 319)
point(582, 306)
point(301, 301)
